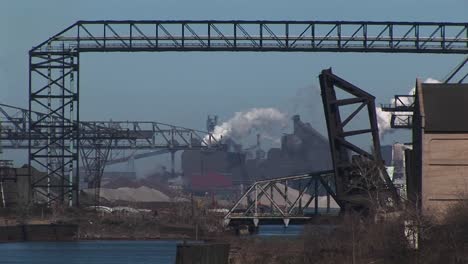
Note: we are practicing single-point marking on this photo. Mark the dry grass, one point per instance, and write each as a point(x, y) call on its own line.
point(271, 250)
point(362, 241)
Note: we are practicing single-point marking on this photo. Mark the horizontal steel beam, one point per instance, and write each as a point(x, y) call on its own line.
point(257, 35)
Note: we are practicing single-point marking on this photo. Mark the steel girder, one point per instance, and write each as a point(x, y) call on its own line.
point(358, 186)
point(238, 35)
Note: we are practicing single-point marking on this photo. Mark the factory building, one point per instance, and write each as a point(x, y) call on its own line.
point(438, 164)
point(303, 151)
point(212, 170)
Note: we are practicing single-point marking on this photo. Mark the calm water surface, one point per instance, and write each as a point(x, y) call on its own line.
point(90, 252)
point(278, 230)
point(108, 252)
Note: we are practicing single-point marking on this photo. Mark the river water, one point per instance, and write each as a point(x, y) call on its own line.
point(90, 252)
point(106, 251)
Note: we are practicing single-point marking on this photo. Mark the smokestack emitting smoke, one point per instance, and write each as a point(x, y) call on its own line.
point(262, 120)
point(383, 118)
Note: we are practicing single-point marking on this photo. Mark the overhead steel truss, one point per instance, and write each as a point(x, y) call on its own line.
point(99, 138)
point(238, 35)
point(360, 177)
point(54, 64)
point(282, 200)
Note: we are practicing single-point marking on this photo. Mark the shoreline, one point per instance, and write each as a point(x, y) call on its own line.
point(107, 239)
point(75, 232)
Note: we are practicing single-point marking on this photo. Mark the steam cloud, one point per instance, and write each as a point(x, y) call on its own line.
point(243, 124)
point(383, 118)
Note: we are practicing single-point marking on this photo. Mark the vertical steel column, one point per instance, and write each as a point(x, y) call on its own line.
point(49, 122)
point(62, 125)
point(30, 142)
point(71, 140)
point(256, 200)
point(173, 163)
point(75, 111)
point(52, 90)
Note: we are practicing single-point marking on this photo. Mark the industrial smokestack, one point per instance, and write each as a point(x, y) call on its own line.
point(296, 119)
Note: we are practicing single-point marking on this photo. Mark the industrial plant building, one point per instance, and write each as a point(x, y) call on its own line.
point(304, 150)
point(438, 164)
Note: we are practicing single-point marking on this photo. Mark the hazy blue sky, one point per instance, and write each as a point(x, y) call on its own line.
point(183, 88)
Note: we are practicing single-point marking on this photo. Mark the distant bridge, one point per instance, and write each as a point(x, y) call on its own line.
point(287, 200)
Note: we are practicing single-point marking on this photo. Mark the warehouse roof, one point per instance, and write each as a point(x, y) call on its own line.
point(445, 107)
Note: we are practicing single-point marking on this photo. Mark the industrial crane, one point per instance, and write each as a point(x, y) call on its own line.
point(103, 142)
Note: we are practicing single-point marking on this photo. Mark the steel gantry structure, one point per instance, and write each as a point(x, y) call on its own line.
point(99, 140)
point(54, 64)
point(137, 135)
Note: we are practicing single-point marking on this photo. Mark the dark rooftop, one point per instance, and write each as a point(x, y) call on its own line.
point(445, 107)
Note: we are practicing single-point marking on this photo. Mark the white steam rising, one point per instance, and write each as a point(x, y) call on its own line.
point(383, 121)
point(261, 120)
point(383, 118)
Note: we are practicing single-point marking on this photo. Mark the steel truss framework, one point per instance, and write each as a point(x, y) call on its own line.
point(136, 135)
point(460, 72)
point(54, 64)
point(100, 139)
point(354, 190)
point(402, 107)
point(188, 35)
point(402, 111)
point(281, 200)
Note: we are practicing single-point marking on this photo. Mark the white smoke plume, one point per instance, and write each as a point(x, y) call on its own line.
point(383, 118)
point(262, 120)
point(383, 121)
